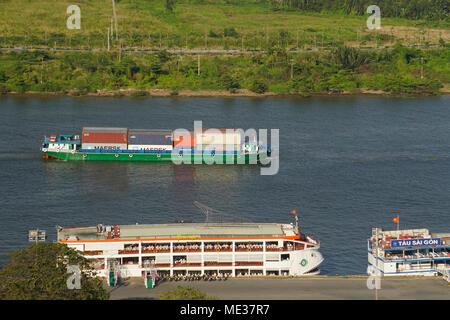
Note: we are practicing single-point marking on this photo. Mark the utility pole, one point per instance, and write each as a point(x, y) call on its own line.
point(112, 29)
point(115, 18)
point(108, 39)
point(292, 68)
point(120, 50)
point(421, 68)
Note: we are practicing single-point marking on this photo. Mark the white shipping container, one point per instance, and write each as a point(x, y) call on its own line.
point(104, 146)
point(149, 147)
point(217, 138)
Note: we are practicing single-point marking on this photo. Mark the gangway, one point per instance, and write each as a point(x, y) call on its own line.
point(150, 274)
point(444, 270)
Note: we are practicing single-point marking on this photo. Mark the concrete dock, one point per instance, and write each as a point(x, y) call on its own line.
point(311, 288)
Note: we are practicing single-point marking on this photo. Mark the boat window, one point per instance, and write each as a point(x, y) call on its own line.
point(286, 257)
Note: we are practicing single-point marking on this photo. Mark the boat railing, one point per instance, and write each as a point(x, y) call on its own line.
point(187, 249)
point(217, 249)
point(93, 252)
point(129, 251)
point(248, 263)
point(187, 264)
point(217, 263)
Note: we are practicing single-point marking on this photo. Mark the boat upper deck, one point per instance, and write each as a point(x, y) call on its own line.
point(176, 231)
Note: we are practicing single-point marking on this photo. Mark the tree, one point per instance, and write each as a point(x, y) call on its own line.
point(184, 293)
point(39, 272)
point(258, 87)
point(170, 5)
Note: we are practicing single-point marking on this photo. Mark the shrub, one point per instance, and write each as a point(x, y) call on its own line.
point(258, 87)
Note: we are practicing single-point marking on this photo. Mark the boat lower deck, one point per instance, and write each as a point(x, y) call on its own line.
point(204, 158)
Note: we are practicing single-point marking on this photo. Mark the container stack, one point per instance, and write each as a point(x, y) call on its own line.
point(104, 138)
point(184, 142)
point(219, 140)
point(150, 140)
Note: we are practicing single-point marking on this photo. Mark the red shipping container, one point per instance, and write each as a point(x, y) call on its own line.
point(184, 141)
point(104, 135)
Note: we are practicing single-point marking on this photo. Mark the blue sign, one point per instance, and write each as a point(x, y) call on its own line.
point(415, 242)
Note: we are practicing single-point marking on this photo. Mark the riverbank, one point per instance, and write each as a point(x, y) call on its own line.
point(305, 288)
point(208, 93)
point(342, 71)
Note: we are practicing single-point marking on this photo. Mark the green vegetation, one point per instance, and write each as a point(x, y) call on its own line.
point(329, 37)
point(184, 293)
point(232, 24)
point(39, 272)
point(343, 69)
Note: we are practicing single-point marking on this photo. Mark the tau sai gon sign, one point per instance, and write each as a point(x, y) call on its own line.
point(415, 242)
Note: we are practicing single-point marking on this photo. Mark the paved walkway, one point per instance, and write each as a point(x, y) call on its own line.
point(321, 288)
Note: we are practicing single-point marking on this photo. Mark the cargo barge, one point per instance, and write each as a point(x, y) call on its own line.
point(408, 252)
point(195, 249)
point(122, 144)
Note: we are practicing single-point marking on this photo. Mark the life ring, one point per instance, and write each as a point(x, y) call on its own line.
point(73, 151)
point(130, 155)
point(304, 262)
point(116, 155)
point(84, 155)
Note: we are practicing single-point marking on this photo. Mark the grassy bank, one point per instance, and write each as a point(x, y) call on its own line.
point(250, 24)
point(275, 27)
point(344, 69)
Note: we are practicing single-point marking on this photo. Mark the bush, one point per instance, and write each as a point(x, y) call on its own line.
point(184, 293)
point(258, 87)
point(230, 83)
point(4, 89)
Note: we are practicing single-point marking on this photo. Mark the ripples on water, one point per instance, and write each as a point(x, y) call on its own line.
point(346, 164)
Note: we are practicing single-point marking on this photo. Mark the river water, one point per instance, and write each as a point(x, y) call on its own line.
point(346, 164)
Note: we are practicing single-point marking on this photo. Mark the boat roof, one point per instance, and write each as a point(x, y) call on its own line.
point(182, 230)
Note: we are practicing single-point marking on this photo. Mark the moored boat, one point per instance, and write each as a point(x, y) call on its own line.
point(196, 249)
point(408, 252)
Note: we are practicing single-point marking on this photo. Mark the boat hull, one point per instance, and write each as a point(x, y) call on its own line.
point(154, 157)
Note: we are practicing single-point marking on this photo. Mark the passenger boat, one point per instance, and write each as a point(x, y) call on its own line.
point(408, 252)
point(196, 249)
point(224, 146)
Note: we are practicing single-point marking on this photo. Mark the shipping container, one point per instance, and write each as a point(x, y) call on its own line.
point(150, 147)
point(218, 136)
point(149, 137)
point(104, 146)
point(104, 135)
point(184, 141)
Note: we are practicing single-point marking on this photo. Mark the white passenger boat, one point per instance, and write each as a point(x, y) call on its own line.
point(196, 249)
point(408, 252)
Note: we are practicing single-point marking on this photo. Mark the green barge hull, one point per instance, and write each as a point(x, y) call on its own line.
point(194, 158)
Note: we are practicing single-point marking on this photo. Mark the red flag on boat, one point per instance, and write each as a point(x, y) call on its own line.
point(294, 211)
point(395, 220)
